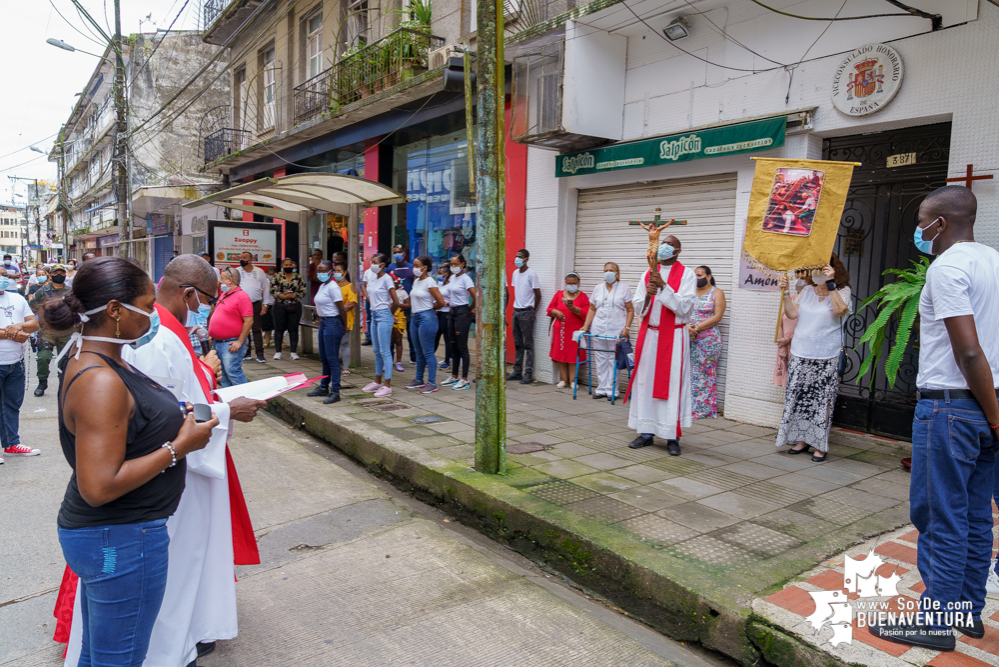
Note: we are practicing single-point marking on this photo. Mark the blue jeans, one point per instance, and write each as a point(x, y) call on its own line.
point(11, 395)
point(123, 573)
point(382, 322)
point(232, 363)
point(330, 337)
point(424, 332)
point(953, 460)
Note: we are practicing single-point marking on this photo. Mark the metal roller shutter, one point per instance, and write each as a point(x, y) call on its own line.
point(707, 203)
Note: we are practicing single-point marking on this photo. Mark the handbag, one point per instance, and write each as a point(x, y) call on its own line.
point(625, 355)
point(841, 368)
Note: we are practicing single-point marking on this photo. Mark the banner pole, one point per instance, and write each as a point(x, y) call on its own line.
point(780, 314)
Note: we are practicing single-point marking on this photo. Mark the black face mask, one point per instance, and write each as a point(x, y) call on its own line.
point(701, 282)
point(288, 269)
point(243, 262)
point(58, 280)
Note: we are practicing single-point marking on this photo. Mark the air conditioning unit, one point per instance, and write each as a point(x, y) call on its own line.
point(437, 58)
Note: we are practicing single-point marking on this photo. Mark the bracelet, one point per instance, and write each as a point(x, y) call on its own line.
point(173, 456)
point(994, 427)
point(831, 285)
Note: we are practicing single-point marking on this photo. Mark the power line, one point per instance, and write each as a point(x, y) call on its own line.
point(22, 164)
point(727, 36)
point(83, 34)
point(169, 28)
point(24, 148)
point(840, 18)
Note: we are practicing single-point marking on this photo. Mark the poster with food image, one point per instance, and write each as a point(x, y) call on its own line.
point(231, 242)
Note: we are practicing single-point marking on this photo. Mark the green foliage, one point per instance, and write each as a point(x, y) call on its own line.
point(416, 16)
point(898, 300)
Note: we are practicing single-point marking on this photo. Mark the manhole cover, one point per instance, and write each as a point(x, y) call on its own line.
point(526, 447)
point(427, 419)
point(388, 406)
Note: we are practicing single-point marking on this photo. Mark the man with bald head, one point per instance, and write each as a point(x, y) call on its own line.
point(956, 424)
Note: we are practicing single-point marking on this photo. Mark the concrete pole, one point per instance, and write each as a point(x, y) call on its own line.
point(124, 192)
point(490, 243)
point(354, 266)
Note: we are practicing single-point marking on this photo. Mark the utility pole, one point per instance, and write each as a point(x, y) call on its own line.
point(123, 189)
point(490, 243)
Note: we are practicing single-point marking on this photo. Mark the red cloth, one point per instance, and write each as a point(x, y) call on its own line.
point(227, 319)
point(563, 347)
point(664, 350)
point(64, 606)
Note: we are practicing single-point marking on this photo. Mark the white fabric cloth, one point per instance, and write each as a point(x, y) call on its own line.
point(255, 283)
point(653, 415)
point(200, 599)
point(420, 298)
point(458, 289)
point(524, 283)
point(378, 292)
point(14, 309)
point(964, 280)
point(327, 296)
point(819, 331)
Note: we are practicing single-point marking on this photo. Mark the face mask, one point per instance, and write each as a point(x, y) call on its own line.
point(701, 282)
point(376, 267)
point(42, 279)
point(337, 277)
point(610, 277)
point(518, 262)
point(419, 272)
point(243, 262)
point(572, 289)
point(665, 251)
point(76, 340)
point(224, 287)
point(204, 310)
point(922, 244)
point(455, 270)
point(288, 269)
point(323, 277)
point(4, 284)
point(6, 262)
point(398, 256)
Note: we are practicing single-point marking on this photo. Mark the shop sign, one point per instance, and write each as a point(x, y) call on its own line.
point(106, 241)
point(159, 223)
point(231, 242)
point(90, 244)
point(754, 136)
point(867, 79)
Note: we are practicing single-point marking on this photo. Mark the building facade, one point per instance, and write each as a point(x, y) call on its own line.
point(14, 228)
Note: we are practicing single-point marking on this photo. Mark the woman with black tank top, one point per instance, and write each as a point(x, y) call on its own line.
point(125, 438)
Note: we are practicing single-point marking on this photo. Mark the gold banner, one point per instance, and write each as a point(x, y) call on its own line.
point(794, 213)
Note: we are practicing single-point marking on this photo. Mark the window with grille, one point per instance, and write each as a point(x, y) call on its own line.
point(314, 45)
point(268, 89)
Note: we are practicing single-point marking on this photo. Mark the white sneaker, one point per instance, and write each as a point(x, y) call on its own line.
point(294, 357)
point(448, 382)
point(561, 384)
point(460, 384)
point(1, 460)
point(992, 585)
point(277, 356)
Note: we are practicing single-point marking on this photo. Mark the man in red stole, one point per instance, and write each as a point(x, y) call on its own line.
point(660, 383)
point(211, 530)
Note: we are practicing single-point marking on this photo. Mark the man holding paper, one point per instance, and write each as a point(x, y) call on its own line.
point(211, 530)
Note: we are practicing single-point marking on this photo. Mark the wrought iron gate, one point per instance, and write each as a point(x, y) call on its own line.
point(875, 234)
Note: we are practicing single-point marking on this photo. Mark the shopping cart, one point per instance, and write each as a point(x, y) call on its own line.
point(588, 347)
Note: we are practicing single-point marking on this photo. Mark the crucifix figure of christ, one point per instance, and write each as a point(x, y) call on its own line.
point(655, 227)
point(968, 178)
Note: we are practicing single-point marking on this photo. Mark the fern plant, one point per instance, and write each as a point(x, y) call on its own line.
point(898, 300)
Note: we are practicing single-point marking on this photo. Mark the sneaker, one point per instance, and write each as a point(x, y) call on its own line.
point(1, 460)
point(261, 360)
point(444, 365)
point(429, 389)
point(294, 357)
point(345, 372)
point(460, 384)
point(277, 356)
point(415, 384)
point(383, 392)
point(399, 367)
point(332, 398)
point(371, 388)
point(448, 382)
point(366, 342)
point(319, 391)
point(514, 376)
point(21, 450)
point(561, 384)
point(527, 379)
point(992, 585)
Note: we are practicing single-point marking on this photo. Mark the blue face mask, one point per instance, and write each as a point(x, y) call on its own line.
point(41, 279)
point(398, 256)
point(665, 251)
point(224, 287)
point(610, 277)
point(323, 277)
point(572, 289)
point(518, 262)
point(154, 327)
point(338, 277)
point(923, 245)
point(4, 284)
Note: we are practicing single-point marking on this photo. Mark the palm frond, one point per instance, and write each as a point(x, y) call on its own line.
point(905, 321)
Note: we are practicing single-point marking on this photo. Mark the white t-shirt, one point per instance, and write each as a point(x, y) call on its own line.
point(524, 283)
point(964, 280)
point(254, 283)
point(420, 298)
point(819, 331)
point(378, 292)
point(326, 297)
point(457, 290)
point(13, 310)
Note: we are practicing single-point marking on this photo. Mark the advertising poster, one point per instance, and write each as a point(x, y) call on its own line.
point(230, 239)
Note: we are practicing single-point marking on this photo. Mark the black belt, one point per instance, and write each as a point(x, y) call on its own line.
point(228, 340)
point(520, 310)
point(941, 394)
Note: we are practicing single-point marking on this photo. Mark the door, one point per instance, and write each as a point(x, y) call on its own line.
point(875, 234)
point(604, 235)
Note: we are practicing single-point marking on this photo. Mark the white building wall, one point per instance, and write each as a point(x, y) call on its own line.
point(950, 75)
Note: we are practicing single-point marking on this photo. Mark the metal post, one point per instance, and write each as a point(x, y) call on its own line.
point(490, 243)
point(354, 266)
point(124, 192)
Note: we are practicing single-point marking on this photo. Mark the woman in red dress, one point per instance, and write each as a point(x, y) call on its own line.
point(568, 310)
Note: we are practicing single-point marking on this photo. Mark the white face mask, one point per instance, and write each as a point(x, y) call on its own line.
point(456, 269)
point(76, 340)
point(418, 272)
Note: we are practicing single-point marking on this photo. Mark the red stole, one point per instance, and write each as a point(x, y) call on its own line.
point(244, 544)
point(664, 350)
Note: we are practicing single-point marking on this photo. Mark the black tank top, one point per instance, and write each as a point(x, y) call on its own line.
point(157, 419)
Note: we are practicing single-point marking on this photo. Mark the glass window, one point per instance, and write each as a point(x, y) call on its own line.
point(314, 46)
point(268, 91)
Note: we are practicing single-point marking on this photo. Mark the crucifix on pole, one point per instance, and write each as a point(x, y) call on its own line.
point(655, 227)
point(968, 178)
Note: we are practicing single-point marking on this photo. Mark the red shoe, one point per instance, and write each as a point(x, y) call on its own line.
point(21, 450)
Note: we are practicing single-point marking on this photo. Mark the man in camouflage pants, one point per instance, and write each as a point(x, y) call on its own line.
point(49, 342)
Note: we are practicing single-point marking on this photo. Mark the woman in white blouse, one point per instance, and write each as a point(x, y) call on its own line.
point(611, 313)
point(380, 289)
point(461, 298)
point(425, 298)
point(813, 371)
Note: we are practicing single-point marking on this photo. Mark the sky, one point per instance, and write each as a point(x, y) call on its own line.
point(41, 80)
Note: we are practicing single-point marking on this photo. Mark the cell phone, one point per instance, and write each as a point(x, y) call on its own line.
point(202, 412)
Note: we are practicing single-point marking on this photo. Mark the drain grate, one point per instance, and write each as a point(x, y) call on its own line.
point(427, 419)
point(526, 447)
point(388, 407)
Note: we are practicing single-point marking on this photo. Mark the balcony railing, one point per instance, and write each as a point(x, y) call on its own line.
point(397, 57)
point(210, 10)
point(312, 98)
point(224, 141)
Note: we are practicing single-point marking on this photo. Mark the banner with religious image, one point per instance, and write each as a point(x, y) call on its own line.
point(794, 212)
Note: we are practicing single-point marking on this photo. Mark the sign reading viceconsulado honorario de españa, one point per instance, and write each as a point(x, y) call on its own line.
point(754, 136)
point(867, 79)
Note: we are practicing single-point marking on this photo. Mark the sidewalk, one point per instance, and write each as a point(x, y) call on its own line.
point(690, 544)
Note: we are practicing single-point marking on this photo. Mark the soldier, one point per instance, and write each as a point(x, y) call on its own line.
point(49, 342)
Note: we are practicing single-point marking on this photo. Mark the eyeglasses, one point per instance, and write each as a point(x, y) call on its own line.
point(211, 299)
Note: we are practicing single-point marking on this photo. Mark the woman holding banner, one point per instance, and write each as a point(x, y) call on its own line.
point(812, 376)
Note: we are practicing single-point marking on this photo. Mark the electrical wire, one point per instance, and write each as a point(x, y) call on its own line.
point(82, 34)
point(727, 36)
point(823, 18)
point(790, 70)
point(146, 61)
point(22, 164)
point(24, 148)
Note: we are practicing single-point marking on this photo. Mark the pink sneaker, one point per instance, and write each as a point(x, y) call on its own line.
point(21, 450)
point(371, 387)
point(383, 392)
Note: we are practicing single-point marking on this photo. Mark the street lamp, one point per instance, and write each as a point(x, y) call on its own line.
point(59, 44)
point(37, 150)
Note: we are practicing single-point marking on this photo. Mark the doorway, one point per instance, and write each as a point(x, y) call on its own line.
point(875, 234)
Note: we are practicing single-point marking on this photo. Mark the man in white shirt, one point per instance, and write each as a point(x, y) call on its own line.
point(16, 322)
point(254, 281)
point(956, 424)
point(14, 273)
point(526, 300)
